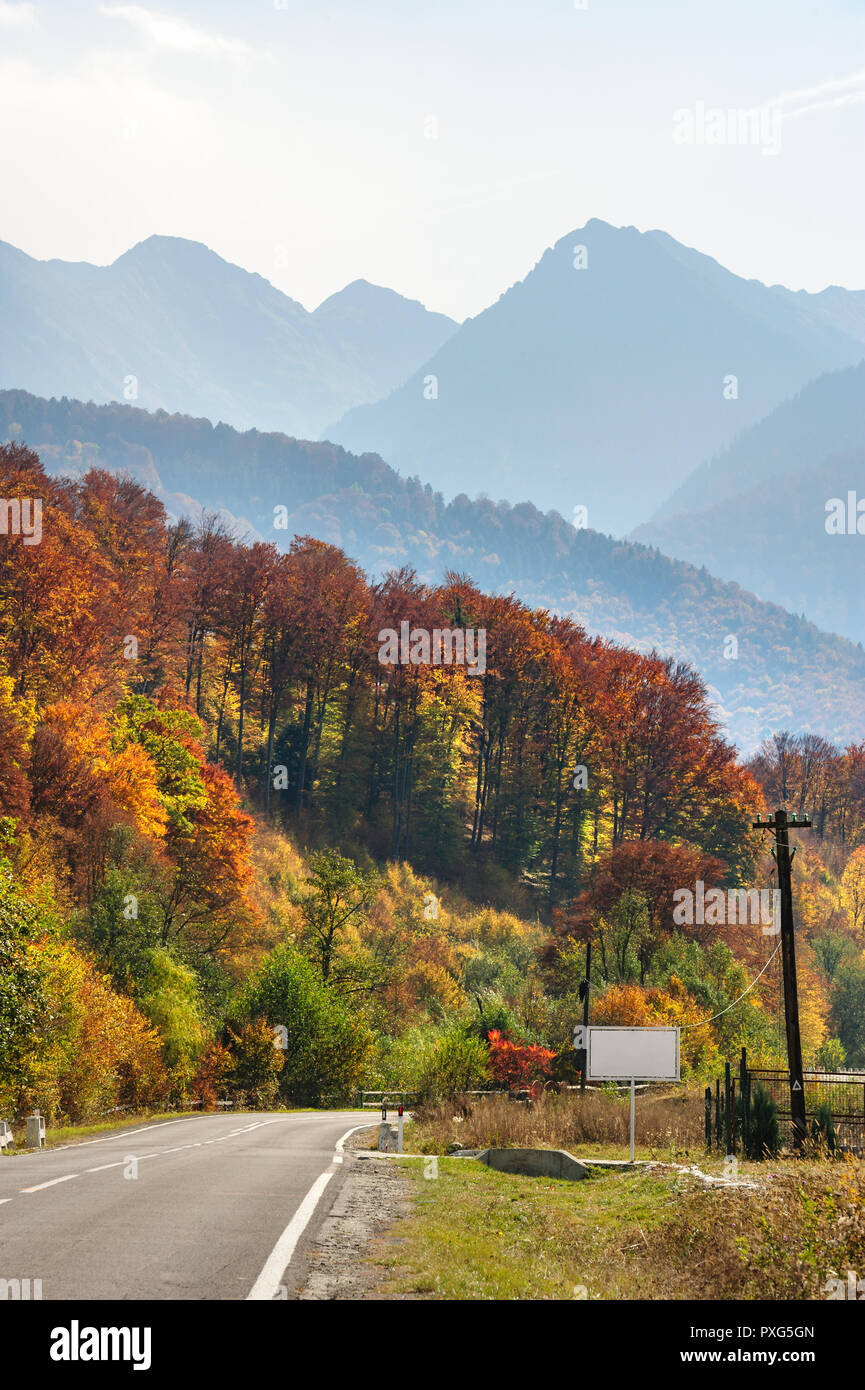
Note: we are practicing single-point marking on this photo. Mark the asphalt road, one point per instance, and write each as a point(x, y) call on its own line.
point(211, 1207)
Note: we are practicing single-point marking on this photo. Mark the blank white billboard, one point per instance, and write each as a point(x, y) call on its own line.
point(641, 1054)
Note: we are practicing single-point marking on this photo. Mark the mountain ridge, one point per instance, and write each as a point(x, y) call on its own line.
point(173, 325)
point(605, 384)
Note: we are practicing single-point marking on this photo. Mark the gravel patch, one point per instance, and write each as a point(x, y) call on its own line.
point(373, 1198)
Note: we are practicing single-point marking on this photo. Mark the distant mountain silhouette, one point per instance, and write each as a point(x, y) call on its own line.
point(782, 672)
point(605, 386)
point(757, 512)
point(200, 335)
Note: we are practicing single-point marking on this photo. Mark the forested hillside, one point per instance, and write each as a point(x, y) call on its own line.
point(225, 820)
point(781, 672)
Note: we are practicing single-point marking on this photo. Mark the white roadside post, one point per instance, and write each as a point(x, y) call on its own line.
point(626, 1054)
point(384, 1128)
point(35, 1131)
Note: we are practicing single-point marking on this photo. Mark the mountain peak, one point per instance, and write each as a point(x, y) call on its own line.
point(168, 248)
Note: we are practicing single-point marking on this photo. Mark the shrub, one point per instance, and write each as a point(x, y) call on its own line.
point(257, 1064)
point(327, 1044)
point(518, 1064)
point(823, 1133)
point(458, 1063)
point(764, 1136)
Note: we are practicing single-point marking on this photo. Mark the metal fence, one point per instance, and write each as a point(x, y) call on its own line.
point(843, 1093)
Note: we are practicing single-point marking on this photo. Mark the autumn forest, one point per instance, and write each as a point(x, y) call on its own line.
point(223, 820)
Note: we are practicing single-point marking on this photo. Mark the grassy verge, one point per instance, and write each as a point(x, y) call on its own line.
point(656, 1234)
point(70, 1134)
point(56, 1135)
point(668, 1126)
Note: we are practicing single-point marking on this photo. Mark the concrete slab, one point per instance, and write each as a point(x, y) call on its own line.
point(534, 1163)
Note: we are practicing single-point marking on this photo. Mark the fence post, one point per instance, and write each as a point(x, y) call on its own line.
point(743, 1089)
point(728, 1117)
point(717, 1113)
point(708, 1119)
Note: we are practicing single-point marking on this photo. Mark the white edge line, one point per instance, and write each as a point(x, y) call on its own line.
point(353, 1130)
point(267, 1284)
point(120, 1133)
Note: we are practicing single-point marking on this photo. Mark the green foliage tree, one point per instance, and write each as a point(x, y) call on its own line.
point(459, 1062)
point(847, 1010)
point(327, 1043)
point(764, 1135)
point(170, 998)
point(22, 983)
point(823, 1133)
point(831, 950)
point(338, 896)
point(831, 1055)
point(258, 1062)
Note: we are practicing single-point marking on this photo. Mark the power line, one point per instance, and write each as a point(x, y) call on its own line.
point(704, 1021)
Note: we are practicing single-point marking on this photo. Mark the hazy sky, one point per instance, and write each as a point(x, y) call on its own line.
point(436, 148)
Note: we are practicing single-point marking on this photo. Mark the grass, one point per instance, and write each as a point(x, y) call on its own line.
point(56, 1135)
point(69, 1134)
point(639, 1234)
point(667, 1125)
point(478, 1234)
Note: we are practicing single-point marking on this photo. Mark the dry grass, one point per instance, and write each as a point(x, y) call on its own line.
point(637, 1234)
point(802, 1228)
point(665, 1124)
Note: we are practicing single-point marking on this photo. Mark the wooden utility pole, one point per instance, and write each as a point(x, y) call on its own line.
point(781, 827)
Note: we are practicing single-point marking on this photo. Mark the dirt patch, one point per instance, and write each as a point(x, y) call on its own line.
point(347, 1260)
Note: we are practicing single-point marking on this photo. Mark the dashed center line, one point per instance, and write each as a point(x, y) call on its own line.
point(52, 1183)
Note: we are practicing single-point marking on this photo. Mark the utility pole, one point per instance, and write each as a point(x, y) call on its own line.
point(783, 857)
point(584, 992)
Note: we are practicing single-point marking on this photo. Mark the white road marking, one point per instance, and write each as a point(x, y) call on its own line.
point(266, 1285)
point(268, 1282)
point(121, 1133)
point(52, 1183)
point(353, 1130)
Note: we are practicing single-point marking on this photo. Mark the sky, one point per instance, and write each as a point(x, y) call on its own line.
point(436, 148)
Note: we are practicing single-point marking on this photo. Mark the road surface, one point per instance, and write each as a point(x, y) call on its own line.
point(210, 1207)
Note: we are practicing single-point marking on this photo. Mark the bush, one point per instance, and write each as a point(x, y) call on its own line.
point(257, 1064)
point(823, 1134)
point(764, 1136)
point(458, 1063)
point(517, 1064)
point(327, 1044)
